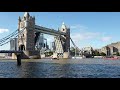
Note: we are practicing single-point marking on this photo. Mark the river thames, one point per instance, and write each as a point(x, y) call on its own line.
point(72, 68)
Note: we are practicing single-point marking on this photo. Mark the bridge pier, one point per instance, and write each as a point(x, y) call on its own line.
point(19, 59)
point(31, 54)
point(66, 55)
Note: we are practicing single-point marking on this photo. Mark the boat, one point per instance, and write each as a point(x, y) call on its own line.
point(78, 57)
point(111, 58)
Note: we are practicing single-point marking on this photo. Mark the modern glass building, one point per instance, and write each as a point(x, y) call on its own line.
point(14, 44)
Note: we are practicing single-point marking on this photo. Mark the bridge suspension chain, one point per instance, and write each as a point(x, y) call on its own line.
point(14, 34)
point(74, 44)
point(3, 43)
point(7, 37)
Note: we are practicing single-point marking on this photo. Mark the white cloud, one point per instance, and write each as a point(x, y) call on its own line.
point(84, 36)
point(105, 39)
point(3, 30)
point(79, 27)
point(79, 38)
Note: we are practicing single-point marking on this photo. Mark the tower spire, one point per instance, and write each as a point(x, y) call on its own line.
point(63, 26)
point(26, 14)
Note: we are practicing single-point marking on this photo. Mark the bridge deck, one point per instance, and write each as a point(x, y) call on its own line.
point(48, 31)
point(10, 51)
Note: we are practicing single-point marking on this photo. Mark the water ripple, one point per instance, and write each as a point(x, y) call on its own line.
point(58, 70)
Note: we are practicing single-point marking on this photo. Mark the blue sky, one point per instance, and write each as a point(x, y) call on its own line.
point(95, 29)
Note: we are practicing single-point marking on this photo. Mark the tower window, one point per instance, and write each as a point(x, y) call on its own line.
point(23, 35)
point(63, 29)
point(24, 18)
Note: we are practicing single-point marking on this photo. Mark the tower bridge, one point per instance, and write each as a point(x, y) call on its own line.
point(28, 34)
point(48, 31)
point(28, 39)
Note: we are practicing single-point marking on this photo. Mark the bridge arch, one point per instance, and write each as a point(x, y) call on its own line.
point(22, 47)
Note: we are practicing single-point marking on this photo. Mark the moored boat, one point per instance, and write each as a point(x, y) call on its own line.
point(111, 58)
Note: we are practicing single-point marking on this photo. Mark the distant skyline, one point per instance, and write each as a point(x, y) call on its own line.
point(96, 29)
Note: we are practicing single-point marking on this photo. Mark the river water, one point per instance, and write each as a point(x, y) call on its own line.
point(72, 68)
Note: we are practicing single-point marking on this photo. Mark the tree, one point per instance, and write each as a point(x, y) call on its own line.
point(48, 53)
point(117, 54)
point(102, 54)
point(72, 51)
point(96, 53)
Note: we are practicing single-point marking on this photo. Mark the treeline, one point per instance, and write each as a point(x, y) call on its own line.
point(96, 53)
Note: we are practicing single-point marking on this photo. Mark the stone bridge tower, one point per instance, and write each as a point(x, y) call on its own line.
point(65, 38)
point(62, 42)
point(26, 40)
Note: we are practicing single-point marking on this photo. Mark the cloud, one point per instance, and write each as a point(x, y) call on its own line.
point(84, 36)
point(3, 30)
point(81, 38)
point(105, 39)
point(79, 27)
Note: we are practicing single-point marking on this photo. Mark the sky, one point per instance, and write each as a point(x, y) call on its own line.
point(95, 29)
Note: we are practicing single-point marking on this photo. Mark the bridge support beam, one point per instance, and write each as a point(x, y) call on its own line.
point(19, 59)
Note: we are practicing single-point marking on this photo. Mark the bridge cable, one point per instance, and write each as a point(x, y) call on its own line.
point(11, 39)
point(5, 38)
point(74, 44)
point(3, 43)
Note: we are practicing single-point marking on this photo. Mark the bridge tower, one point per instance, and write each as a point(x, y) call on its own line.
point(62, 42)
point(65, 38)
point(26, 40)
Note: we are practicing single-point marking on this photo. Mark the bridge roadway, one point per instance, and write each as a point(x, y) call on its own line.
point(18, 54)
point(10, 51)
point(48, 31)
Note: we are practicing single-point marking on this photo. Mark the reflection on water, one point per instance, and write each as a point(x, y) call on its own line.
point(58, 70)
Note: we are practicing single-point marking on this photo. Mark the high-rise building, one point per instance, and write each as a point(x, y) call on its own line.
point(14, 44)
point(45, 44)
point(40, 42)
point(53, 46)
